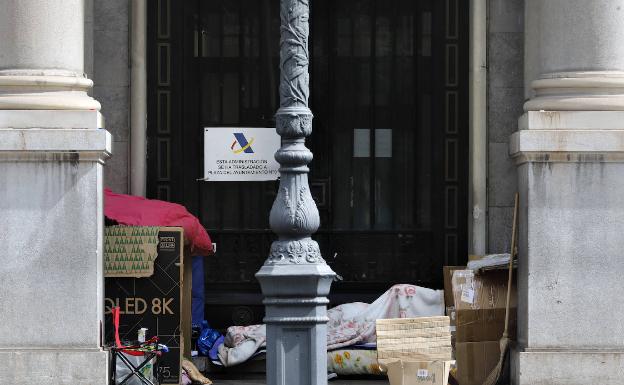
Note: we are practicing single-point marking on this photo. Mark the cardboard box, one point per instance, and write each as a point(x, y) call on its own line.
point(475, 361)
point(484, 291)
point(480, 302)
point(159, 301)
point(447, 272)
point(418, 373)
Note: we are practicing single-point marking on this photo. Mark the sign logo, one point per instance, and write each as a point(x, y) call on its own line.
point(243, 144)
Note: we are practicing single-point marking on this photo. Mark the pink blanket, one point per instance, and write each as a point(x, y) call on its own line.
point(137, 211)
point(349, 324)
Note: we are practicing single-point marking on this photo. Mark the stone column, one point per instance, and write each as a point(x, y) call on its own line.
point(52, 152)
point(570, 155)
point(295, 279)
point(42, 56)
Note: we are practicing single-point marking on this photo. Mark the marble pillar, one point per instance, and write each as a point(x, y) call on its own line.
point(570, 155)
point(52, 153)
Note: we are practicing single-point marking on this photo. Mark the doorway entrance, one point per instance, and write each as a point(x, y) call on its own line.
point(390, 140)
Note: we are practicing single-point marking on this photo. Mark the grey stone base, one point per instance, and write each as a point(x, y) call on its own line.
point(51, 262)
point(51, 268)
point(54, 367)
point(568, 367)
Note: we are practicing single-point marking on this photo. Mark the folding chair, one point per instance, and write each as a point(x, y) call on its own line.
point(149, 350)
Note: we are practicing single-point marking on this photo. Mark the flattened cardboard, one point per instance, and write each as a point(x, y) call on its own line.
point(475, 361)
point(418, 372)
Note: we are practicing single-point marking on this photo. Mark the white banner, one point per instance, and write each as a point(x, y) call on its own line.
point(240, 154)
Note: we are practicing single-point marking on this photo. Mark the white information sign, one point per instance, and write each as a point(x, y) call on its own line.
point(240, 154)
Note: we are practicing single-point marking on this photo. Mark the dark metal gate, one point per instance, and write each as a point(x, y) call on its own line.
point(389, 93)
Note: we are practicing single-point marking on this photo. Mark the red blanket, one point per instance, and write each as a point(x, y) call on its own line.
point(137, 211)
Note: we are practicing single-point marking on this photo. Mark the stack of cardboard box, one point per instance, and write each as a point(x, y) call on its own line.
point(478, 311)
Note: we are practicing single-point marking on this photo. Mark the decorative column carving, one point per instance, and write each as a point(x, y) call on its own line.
point(295, 279)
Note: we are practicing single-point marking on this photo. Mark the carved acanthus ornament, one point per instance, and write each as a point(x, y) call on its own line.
point(294, 216)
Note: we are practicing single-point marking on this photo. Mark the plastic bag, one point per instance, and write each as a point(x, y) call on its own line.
point(122, 370)
point(207, 339)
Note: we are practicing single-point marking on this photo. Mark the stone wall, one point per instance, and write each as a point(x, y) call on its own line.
point(111, 74)
point(505, 92)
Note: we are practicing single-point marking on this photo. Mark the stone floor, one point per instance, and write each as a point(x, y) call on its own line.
point(256, 379)
point(331, 382)
point(251, 373)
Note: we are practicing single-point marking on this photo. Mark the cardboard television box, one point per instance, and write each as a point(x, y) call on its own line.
point(480, 302)
point(148, 277)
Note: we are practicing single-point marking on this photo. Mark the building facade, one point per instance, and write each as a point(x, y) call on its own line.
point(429, 116)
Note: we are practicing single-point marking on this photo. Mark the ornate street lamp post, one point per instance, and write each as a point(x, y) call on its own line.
point(295, 279)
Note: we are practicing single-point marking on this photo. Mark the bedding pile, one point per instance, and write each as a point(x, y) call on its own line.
point(351, 327)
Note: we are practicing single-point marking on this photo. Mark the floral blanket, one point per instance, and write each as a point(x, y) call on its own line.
point(349, 324)
point(353, 362)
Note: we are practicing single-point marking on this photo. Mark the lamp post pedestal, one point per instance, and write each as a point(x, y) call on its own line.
point(296, 317)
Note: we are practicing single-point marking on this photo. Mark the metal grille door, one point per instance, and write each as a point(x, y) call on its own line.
point(389, 94)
